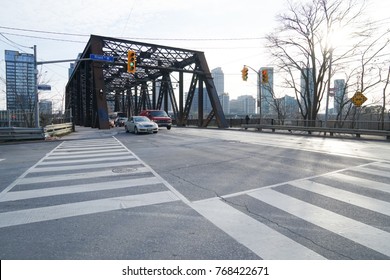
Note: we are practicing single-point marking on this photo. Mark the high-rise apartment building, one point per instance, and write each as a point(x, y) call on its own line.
point(307, 86)
point(46, 107)
point(20, 80)
point(225, 102)
point(219, 80)
point(340, 95)
point(266, 88)
point(243, 105)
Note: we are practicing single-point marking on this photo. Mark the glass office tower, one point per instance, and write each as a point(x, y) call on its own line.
point(20, 80)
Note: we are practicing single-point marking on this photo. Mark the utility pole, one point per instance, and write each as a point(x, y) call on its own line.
point(36, 88)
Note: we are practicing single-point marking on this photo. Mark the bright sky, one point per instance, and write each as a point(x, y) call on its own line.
point(173, 23)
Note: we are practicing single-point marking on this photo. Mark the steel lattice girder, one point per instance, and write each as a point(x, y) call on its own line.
point(92, 82)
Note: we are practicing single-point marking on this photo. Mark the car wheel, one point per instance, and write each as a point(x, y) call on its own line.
point(127, 131)
point(135, 130)
point(169, 127)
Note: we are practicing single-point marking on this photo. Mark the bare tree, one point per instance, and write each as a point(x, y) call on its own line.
point(303, 49)
point(365, 68)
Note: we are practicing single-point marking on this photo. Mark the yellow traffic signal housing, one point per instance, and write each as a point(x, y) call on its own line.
point(244, 72)
point(264, 76)
point(131, 61)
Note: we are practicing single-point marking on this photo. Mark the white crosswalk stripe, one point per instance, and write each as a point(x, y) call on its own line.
point(262, 240)
point(112, 166)
point(85, 166)
point(270, 244)
point(83, 208)
point(356, 231)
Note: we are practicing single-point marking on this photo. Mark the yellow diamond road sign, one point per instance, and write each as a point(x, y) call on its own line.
point(358, 99)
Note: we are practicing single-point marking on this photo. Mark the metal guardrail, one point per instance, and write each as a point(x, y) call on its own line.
point(58, 129)
point(24, 133)
point(21, 133)
point(330, 130)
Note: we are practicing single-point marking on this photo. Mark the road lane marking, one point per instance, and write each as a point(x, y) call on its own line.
point(87, 160)
point(87, 148)
point(259, 238)
point(77, 152)
point(373, 171)
point(360, 182)
point(168, 185)
point(38, 169)
point(98, 155)
point(77, 176)
point(41, 214)
point(361, 233)
point(382, 164)
point(81, 188)
point(345, 196)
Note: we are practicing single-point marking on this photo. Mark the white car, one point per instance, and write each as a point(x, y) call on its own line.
point(140, 124)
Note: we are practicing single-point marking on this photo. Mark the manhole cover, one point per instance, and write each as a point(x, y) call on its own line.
point(124, 170)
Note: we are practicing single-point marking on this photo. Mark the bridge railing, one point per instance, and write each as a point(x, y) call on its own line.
point(332, 127)
point(58, 129)
point(21, 133)
point(26, 133)
point(331, 130)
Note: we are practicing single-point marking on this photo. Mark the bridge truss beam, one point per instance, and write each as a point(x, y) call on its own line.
point(93, 85)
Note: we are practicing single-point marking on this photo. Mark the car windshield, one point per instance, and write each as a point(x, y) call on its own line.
point(141, 119)
point(158, 114)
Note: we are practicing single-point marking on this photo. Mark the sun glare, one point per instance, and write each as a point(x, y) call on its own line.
point(340, 37)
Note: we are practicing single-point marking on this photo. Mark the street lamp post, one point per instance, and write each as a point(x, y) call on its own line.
point(36, 88)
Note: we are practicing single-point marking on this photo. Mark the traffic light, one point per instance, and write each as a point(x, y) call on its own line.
point(131, 61)
point(244, 72)
point(264, 76)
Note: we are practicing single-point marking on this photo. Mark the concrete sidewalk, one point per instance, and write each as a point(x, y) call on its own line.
point(90, 133)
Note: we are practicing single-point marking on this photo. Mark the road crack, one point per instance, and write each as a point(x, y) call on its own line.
point(248, 210)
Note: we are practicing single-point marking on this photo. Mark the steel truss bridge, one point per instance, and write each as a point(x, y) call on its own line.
point(95, 83)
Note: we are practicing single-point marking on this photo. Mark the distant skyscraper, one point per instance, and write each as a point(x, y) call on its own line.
point(248, 104)
point(307, 85)
point(224, 99)
point(340, 95)
point(219, 80)
point(195, 102)
point(243, 105)
point(46, 107)
point(266, 91)
point(20, 80)
point(289, 106)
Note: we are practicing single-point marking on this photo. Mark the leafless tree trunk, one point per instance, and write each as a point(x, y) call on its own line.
point(384, 101)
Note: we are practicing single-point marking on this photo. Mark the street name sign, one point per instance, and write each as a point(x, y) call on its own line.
point(100, 57)
point(44, 87)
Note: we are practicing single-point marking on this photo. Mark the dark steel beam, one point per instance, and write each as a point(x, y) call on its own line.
point(91, 83)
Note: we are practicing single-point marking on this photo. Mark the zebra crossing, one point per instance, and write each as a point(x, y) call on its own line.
point(344, 214)
point(80, 167)
point(352, 211)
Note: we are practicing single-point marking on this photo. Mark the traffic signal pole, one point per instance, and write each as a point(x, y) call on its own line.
point(259, 87)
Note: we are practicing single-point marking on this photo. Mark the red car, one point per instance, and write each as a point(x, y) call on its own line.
point(158, 116)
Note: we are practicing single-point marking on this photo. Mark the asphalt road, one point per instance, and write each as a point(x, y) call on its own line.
point(195, 194)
